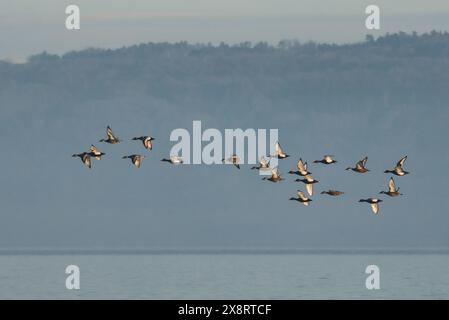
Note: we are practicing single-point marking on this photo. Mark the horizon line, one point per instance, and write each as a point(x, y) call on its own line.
point(222, 250)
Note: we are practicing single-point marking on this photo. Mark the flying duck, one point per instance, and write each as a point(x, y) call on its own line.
point(112, 139)
point(327, 159)
point(85, 158)
point(360, 166)
point(234, 160)
point(374, 204)
point(94, 152)
point(146, 140)
point(309, 181)
point(392, 191)
point(275, 176)
point(302, 198)
point(174, 160)
point(136, 159)
point(302, 169)
point(333, 193)
point(280, 154)
point(264, 164)
point(399, 170)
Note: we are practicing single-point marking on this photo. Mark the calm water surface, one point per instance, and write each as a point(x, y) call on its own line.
point(225, 276)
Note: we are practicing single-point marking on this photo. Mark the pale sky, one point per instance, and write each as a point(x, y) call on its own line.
point(29, 27)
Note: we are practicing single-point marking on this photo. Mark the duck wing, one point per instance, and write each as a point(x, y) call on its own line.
point(275, 173)
point(361, 164)
point(364, 160)
point(391, 185)
point(301, 166)
point(110, 133)
point(87, 161)
point(136, 161)
point(401, 162)
point(375, 207)
point(94, 149)
point(176, 159)
point(309, 188)
point(264, 163)
point(301, 195)
point(278, 148)
point(147, 143)
point(95, 152)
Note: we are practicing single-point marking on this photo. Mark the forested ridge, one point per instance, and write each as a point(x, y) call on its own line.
point(403, 67)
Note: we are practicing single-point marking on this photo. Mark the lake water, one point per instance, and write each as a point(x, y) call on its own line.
point(225, 276)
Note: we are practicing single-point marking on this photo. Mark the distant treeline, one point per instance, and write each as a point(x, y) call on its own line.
point(394, 68)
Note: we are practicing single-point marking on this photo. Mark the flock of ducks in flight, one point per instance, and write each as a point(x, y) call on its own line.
point(264, 165)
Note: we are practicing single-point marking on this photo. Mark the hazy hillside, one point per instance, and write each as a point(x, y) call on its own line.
point(399, 67)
